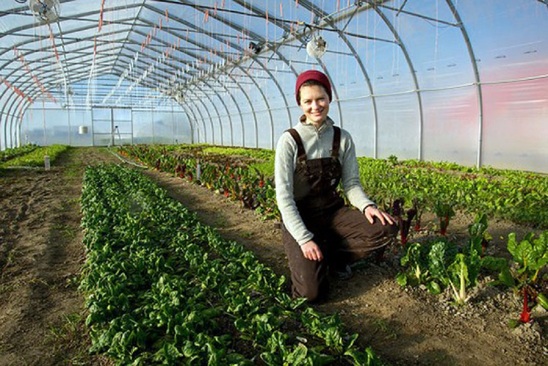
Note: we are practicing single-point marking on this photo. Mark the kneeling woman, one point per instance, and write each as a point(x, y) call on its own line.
point(322, 235)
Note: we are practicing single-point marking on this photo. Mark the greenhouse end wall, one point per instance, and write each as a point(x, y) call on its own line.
point(122, 126)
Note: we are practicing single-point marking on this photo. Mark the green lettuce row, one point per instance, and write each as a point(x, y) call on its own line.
point(34, 157)
point(13, 152)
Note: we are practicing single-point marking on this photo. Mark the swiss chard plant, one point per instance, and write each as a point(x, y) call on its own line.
point(444, 210)
point(442, 264)
point(499, 193)
point(404, 218)
point(415, 266)
point(526, 271)
point(418, 207)
point(462, 272)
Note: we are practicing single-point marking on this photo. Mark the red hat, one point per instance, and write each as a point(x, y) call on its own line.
point(316, 75)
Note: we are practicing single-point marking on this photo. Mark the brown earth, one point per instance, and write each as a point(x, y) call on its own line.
point(42, 313)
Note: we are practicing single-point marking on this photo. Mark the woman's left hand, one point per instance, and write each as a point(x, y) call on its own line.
point(372, 211)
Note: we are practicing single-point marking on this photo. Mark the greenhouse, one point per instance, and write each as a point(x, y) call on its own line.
point(144, 213)
point(445, 81)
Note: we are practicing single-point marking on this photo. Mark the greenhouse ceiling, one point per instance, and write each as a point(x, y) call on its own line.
point(237, 60)
point(81, 52)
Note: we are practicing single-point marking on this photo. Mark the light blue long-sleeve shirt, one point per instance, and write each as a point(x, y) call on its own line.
point(318, 143)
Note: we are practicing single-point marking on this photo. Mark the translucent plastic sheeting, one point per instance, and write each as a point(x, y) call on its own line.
point(516, 128)
point(451, 129)
point(358, 117)
point(160, 127)
point(399, 132)
point(436, 80)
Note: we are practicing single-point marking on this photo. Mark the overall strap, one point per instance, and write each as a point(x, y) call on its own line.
point(336, 141)
point(300, 148)
point(301, 154)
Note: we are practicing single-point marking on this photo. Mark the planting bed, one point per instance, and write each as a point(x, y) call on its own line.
point(41, 255)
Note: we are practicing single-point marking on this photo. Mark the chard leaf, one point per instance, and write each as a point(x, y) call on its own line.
point(458, 274)
point(436, 260)
point(298, 356)
point(440, 256)
point(401, 279)
point(434, 288)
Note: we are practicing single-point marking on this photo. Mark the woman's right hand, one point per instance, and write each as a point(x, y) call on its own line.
point(312, 251)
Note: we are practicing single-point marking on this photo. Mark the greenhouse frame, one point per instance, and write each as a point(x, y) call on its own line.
point(446, 80)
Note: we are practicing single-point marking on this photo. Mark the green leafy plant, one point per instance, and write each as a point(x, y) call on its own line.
point(499, 193)
point(463, 271)
point(530, 256)
point(34, 156)
point(415, 264)
point(508, 194)
point(442, 264)
point(13, 152)
point(418, 207)
point(522, 273)
point(404, 218)
point(444, 211)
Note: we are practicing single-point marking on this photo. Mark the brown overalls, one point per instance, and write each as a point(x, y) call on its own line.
point(343, 234)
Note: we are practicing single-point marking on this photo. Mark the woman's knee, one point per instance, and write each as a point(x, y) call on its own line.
point(386, 230)
point(391, 229)
point(312, 291)
point(310, 294)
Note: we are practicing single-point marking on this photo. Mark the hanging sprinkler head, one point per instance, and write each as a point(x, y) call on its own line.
point(316, 47)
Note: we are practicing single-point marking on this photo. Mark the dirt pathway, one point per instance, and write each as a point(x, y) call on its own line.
point(41, 254)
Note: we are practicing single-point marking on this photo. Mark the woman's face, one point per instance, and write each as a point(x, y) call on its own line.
point(314, 103)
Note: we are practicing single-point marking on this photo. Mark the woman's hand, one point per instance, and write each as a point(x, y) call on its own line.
point(311, 251)
point(372, 211)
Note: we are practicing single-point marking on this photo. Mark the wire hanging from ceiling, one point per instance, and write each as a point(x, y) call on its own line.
point(46, 12)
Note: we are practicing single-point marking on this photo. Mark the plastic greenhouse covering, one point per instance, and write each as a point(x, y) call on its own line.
point(464, 81)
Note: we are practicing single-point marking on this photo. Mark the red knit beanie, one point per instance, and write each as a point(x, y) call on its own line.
point(316, 75)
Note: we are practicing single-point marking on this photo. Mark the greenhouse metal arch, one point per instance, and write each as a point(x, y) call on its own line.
point(444, 80)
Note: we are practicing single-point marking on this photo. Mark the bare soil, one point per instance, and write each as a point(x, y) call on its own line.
point(42, 313)
point(41, 253)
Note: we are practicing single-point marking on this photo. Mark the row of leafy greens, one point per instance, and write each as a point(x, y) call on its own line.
point(162, 288)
